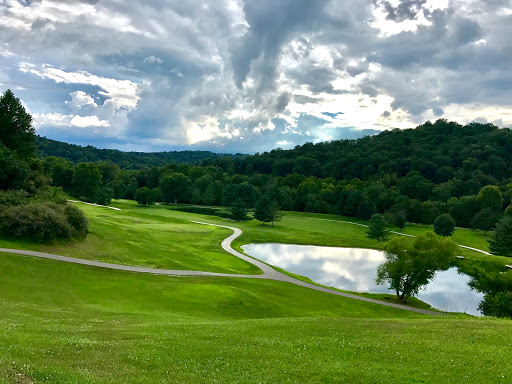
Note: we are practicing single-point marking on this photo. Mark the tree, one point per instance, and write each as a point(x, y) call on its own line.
point(104, 196)
point(267, 211)
point(119, 189)
point(195, 195)
point(490, 196)
point(400, 218)
point(174, 187)
point(16, 130)
point(238, 210)
point(444, 225)
point(377, 228)
point(144, 196)
point(485, 220)
point(410, 265)
point(131, 189)
point(86, 181)
point(498, 304)
point(208, 195)
point(500, 242)
point(366, 209)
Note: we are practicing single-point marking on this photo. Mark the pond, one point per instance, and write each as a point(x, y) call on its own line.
point(355, 269)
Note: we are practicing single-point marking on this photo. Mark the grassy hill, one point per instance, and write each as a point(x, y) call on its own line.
point(65, 323)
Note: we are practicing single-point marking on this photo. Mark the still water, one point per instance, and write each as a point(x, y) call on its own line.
point(355, 269)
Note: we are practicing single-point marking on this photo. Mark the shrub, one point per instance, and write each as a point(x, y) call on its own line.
point(77, 220)
point(39, 222)
point(15, 197)
point(497, 305)
point(42, 222)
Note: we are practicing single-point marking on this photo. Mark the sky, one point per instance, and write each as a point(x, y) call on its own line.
point(250, 76)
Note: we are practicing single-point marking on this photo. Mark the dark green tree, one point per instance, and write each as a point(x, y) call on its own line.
point(174, 187)
point(131, 189)
point(104, 196)
point(86, 181)
point(410, 265)
point(498, 304)
point(195, 195)
point(144, 196)
point(485, 220)
point(208, 195)
point(366, 209)
point(444, 225)
point(400, 218)
point(490, 196)
point(238, 210)
point(267, 211)
point(500, 242)
point(16, 130)
point(119, 189)
point(377, 228)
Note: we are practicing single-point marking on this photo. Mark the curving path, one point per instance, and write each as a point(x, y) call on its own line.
point(268, 272)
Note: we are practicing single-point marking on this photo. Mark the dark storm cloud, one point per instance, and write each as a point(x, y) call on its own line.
point(271, 25)
point(406, 10)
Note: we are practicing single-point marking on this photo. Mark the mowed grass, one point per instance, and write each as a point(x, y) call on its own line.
point(134, 237)
point(65, 323)
point(162, 238)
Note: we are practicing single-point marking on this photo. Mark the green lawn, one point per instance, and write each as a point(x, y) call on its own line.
point(65, 323)
point(162, 238)
point(134, 236)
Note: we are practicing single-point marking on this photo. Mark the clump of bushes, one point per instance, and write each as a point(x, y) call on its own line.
point(42, 221)
point(15, 197)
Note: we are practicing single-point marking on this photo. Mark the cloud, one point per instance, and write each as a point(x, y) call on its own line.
point(241, 76)
point(122, 93)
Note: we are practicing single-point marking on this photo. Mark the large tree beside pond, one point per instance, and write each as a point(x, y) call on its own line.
point(410, 265)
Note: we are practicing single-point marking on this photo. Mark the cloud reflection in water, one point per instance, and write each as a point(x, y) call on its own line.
point(355, 269)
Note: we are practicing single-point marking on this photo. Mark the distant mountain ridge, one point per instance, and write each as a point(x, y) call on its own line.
point(126, 160)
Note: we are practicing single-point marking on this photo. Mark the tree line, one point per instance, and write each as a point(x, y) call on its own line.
point(126, 160)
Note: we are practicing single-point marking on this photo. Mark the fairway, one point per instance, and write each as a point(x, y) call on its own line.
point(68, 323)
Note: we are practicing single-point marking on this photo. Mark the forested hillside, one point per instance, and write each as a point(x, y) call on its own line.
point(439, 151)
point(126, 160)
point(416, 174)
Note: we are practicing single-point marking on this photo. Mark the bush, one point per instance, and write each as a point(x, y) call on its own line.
point(38, 222)
point(77, 220)
point(497, 305)
point(42, 222)
point(12, 198)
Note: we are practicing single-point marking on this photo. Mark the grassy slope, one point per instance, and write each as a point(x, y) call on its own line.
point(135, 237)
point(161, 238)
point(62, 323)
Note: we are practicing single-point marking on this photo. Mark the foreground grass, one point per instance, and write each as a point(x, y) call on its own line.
point(63, 323)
